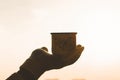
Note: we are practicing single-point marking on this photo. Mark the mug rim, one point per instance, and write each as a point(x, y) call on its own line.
point(64, 33)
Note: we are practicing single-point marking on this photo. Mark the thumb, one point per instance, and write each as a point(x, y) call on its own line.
point(40, 53)
point(44, 48)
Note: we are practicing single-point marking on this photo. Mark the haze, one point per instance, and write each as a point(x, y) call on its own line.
point(26, 25)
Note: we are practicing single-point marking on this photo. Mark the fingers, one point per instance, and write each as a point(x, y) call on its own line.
point(79, 48)
point(74, 56)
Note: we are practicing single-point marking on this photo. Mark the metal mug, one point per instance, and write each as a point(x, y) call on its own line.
point(63, 43)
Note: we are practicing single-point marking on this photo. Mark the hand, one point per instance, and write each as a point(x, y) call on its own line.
point(57, 62)
point(41, 60)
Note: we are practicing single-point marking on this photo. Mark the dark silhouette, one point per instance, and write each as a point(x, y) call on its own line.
point(41, 61)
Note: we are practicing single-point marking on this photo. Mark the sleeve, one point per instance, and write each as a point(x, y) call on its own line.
point(15, 76)
point(22, 74)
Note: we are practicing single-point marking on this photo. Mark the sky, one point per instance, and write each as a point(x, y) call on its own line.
point(26, 25)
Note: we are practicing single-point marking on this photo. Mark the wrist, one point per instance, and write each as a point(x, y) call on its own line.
point(34, 68)
point(26, 75)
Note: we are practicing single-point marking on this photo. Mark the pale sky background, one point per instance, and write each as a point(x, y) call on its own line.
point(26, 25)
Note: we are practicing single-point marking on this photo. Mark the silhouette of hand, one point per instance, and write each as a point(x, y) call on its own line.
point(57, 62)
point(40, 60)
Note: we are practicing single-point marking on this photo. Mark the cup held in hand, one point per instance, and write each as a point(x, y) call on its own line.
point(63, 43)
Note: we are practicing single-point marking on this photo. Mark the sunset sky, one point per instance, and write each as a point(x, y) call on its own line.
point(26, 25)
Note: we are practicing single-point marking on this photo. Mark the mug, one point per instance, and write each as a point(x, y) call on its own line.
point(63, 43)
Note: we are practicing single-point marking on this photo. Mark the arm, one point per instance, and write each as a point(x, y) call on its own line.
point(41, 61)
